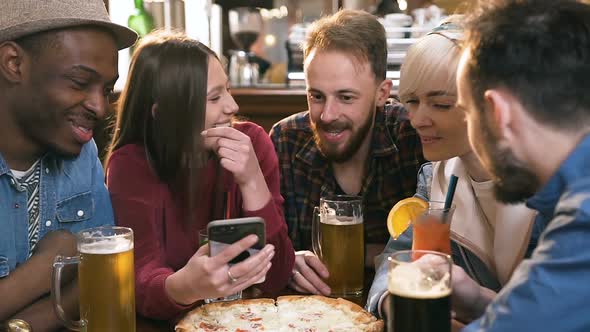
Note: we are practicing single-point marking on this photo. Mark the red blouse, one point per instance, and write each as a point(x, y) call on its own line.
point(163, 244)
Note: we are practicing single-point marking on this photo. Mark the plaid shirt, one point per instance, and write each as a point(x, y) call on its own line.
point(395, 158)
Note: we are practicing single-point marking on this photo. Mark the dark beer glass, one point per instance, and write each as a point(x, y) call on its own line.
point(420, 291)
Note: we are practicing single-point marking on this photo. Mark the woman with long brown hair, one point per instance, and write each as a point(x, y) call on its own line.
point(177, 161)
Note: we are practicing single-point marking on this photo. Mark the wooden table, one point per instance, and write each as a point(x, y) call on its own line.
point(145, 325)
point(149, 325)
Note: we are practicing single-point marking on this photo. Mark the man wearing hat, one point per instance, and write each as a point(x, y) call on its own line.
point(58, 66)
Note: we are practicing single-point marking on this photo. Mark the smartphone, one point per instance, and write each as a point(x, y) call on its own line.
point(223, 233)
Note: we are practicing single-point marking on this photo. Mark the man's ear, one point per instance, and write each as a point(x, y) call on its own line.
point(383, 92)
point(498, 105)
point(11, 61)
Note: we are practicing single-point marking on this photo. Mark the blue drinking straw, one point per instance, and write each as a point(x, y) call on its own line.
point(451, 192)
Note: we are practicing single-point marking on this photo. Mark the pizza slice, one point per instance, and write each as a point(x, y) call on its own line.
point(234, 316)
point(319, 313)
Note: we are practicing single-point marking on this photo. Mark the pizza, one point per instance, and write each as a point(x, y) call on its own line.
point(287, 314)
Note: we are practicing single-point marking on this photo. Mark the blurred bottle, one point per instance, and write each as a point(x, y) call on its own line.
point(156, 8)
point(141, 21)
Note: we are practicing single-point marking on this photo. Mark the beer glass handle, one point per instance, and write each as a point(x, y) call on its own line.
point(58, 265)
point(316, 236)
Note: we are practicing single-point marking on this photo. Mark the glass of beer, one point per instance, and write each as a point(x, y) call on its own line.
point(106, 280)
point(420, 291)
point(338, 240)
point(432, 229)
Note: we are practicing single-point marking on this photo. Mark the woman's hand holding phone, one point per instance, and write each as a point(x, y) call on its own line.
point(211, 277)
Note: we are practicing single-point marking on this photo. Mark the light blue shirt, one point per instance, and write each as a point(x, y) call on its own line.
point(551, 290)
point(73, 197)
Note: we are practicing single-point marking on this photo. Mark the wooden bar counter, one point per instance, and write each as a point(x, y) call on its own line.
point(267, 104)
point(264, 105)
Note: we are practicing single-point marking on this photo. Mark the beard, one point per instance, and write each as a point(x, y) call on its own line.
point(514, 182)
point(331, 151)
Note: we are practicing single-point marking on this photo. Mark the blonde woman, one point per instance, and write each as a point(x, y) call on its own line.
point(489, 238)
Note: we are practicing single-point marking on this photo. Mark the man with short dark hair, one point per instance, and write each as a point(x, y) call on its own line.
point(58, 66)
point(523, 82)
point(350, 142)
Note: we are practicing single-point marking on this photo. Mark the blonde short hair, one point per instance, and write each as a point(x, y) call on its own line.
point(431, 62)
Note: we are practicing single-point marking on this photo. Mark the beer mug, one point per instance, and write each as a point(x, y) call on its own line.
point(338, 241)
point(420, 288)
point(106, 280)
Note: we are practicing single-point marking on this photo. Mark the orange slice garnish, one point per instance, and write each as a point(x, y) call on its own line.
point(401, 215)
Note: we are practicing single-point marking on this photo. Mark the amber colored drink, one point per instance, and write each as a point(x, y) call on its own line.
point(106, 280)
point(343, 253)
point(430, 233)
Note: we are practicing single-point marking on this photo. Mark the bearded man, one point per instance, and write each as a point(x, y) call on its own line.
point(523, 83)
point(353, 140)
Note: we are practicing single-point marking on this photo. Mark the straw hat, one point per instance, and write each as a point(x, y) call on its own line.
point(19, 18)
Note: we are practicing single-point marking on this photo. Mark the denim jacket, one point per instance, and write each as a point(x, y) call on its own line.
point(549, 291)
point(73, 197)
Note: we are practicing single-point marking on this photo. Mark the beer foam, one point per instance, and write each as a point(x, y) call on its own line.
point(106, 246)
point(341, 220)
point(408, 280)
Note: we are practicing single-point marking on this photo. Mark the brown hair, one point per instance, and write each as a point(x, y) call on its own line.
point(168, 70)
point(352, 31)
point(539, 50)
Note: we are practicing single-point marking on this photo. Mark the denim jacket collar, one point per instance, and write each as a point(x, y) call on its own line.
point(50, 162)
point(547, 197)
point(3, 166)
point(574, 167)
point(72, 196)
